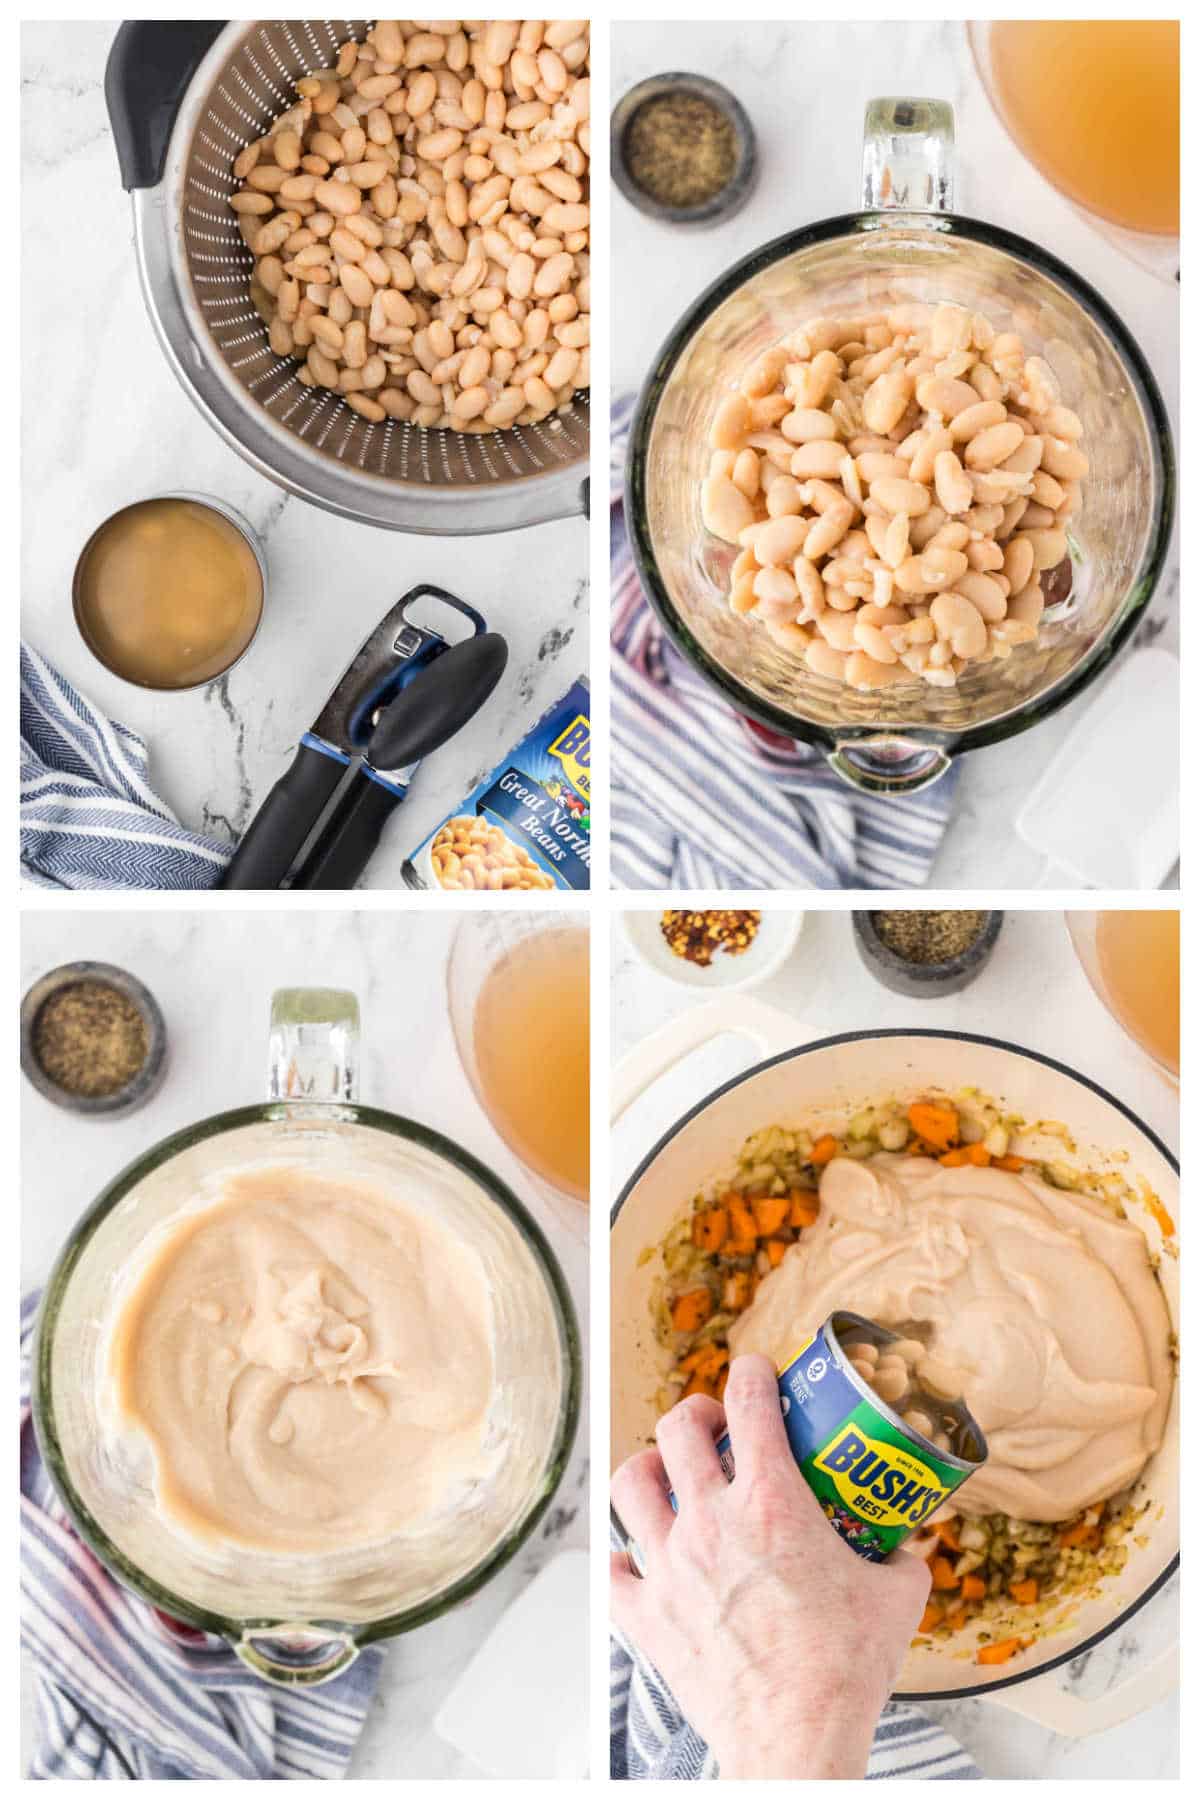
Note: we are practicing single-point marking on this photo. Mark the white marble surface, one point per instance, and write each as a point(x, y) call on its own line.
point(213, 973)
point(805, 87)
point(1032, 992)
point(105, 422)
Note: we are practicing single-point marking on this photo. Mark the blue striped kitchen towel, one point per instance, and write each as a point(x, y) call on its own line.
point(703, 799)
point(119, 1698)
point(650, 1740)
point(89, 817)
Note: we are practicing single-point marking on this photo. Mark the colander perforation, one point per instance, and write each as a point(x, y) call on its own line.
point(251, 362)
point(268, 407)
point(503, 450)
point(215, 237)
point(227, 132)
point(489, 468)
point(253, 122)
point(219, 154)
point(327, 416)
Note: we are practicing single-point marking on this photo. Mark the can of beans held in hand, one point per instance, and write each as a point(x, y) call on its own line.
point(880, 1466)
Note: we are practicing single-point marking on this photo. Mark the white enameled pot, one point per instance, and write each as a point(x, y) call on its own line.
point(801, 1081)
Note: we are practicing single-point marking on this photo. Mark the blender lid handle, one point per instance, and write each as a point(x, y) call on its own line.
point(888, 765)
point(314, 1046)
point(908, 156)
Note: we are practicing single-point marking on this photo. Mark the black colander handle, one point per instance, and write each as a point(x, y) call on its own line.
point(149, 67)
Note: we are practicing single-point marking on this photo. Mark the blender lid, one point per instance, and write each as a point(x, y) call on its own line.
point(1131, 733)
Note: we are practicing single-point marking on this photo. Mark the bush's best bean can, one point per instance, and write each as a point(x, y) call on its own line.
point(536, 804)
point(876, 1478)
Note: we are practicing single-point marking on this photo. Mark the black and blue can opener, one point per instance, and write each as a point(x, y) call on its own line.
point(406, 692)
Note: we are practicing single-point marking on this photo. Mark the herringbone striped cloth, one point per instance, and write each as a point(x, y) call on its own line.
point(701, 798)
point(650, 1740)
point(122, 1699)
point(89, 817)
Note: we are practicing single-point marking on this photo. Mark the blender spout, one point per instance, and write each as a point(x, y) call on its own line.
point(908, 156)
point(886, 764)
point(314, 1046)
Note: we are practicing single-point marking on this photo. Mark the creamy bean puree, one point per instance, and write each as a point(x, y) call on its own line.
point(311, 1364)
point(1038, 1306)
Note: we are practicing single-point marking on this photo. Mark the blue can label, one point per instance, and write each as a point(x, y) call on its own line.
point(531, 815)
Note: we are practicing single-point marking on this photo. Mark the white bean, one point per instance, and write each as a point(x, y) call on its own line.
point(725, 510)
point(908, 473)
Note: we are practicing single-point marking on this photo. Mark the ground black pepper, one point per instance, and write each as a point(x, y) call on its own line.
point(680, 149)
point(89, 1039)
point(697, 936)
point(929, 937)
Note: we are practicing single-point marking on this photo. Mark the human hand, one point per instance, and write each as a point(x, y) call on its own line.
point(779, 1642)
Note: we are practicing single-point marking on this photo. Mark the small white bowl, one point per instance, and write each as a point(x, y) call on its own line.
point(769, 949)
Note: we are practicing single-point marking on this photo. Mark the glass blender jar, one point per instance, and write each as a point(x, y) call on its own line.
point(302, 1619)
point(906, 244)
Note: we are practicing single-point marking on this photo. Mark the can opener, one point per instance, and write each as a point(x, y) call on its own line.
point(406, 692)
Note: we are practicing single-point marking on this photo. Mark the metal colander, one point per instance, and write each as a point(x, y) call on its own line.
point(227, 86)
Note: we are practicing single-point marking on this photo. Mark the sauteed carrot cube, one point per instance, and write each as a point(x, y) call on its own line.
point(931, 1618)
point(942, 1570)
point(741, 1219)
point(1011, 1163)
point(689, 1311)
point(974, 1587)
point(967, 1155)
point(710, 1229)
point(770, 1215)
point(824, 1150)
point(776, 1250)
point(999, 1653)
point(1079, 1534)
point(805, 1208)
point(1024, 1592)
point(935, 1124)
point(708, 1366)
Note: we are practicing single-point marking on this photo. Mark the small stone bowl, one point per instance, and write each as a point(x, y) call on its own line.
point(148, 1079)
point(729, 199)
point(924, 981)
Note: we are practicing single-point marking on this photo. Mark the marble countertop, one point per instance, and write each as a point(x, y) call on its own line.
point(213, 974)
point(805, 87)
point(105, 422)
point(1031, 992)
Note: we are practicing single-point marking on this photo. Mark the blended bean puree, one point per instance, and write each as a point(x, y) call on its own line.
point(1038, 1306)
point(311, 1363)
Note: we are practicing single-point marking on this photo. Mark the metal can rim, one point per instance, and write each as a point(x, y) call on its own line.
point(948, 1457)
